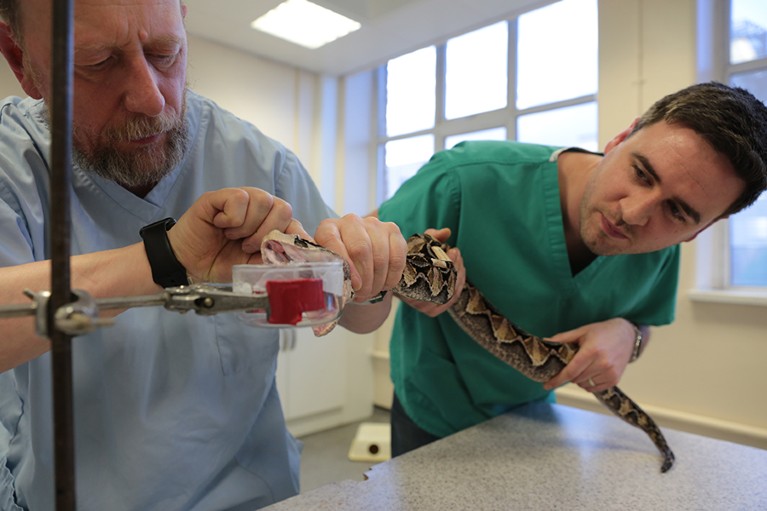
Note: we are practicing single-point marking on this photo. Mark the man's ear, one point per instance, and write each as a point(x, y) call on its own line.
point(620, 137)
point(15, 57)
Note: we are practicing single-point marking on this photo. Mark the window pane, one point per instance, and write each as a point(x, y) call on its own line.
point(748, 229)
point(748, 245)
point(403, 159)
point(490, 134)
point(569, 126)
point(477, 71)
point(755, 82)
point(557, 53)
point(411, 92)
point(748, 30)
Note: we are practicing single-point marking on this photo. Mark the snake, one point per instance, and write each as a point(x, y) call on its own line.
point(429, 275)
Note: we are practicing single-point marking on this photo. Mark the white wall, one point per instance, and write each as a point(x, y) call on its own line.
point(283, 102)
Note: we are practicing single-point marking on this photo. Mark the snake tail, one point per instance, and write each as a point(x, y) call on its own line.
point(625, 408)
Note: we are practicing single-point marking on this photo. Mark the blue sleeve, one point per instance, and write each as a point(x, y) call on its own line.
point(295, 185)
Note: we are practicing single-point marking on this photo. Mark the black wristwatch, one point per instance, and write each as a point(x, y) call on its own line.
point(166, 270)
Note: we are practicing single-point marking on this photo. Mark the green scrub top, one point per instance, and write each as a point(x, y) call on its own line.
point(501, 201)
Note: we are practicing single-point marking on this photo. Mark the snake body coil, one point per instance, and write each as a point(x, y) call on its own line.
point(430, 276)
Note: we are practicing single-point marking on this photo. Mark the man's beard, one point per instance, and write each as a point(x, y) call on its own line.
point(142, 168)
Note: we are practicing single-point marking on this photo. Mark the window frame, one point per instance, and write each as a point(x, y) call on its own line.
point(712, 265)
point(503, 117)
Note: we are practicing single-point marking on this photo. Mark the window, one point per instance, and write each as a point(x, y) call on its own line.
point(568, 125)
point(489, 134)
point(555, 43)
point(410, 87)
point(502, 81)
point(404, 157)
point(476, 78)
point(747, 68)
point(732, 254)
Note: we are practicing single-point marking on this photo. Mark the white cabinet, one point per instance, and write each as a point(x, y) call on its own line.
point(324, 381)
point(311, 372)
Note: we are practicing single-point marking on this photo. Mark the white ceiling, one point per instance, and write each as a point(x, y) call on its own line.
point(389, 28)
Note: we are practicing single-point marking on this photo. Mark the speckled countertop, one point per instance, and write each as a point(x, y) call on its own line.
point(552, 457)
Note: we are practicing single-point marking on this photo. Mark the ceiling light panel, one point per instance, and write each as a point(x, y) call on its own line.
point(305, 23)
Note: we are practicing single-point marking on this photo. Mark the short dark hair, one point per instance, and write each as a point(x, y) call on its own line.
point(729, 118)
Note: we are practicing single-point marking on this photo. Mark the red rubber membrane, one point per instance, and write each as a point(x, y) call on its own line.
point(289, 299)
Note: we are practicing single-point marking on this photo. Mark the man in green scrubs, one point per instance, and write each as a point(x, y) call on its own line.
point(572, 245)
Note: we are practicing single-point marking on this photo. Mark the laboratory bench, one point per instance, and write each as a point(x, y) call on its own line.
point(551, 457)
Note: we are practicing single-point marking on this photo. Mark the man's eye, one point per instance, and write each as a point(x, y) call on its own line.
point(676, 212)
point(164, 60)
point(640, 174)
point(96, 66)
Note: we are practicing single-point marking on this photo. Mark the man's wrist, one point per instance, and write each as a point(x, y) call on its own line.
point(167, 271)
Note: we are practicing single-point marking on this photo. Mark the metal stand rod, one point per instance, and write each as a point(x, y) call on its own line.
point(61, 293)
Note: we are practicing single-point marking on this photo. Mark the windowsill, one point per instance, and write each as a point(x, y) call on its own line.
point(739, 297)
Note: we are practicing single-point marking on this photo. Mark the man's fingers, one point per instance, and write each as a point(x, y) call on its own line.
point(397, 251)
point(375, 251)
point(225, 208)
point(571, 372)
point(439, 234)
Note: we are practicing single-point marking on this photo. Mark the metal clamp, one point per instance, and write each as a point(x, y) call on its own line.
point(206, 299)
point(39, 308)
point(82, 316)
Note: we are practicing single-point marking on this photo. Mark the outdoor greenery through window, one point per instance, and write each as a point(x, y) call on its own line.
point(502, 81)
point(747, 68)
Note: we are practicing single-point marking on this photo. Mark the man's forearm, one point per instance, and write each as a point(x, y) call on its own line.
point(364, 318)
point(119, 272)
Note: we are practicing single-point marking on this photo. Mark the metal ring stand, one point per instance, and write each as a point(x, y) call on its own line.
point(60, 229)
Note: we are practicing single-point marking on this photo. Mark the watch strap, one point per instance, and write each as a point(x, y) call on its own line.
point(167, 271)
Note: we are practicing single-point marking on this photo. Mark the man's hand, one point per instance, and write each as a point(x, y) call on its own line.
point(375, 251)
point(604, 353)
point(433, 309)
point(225, 227)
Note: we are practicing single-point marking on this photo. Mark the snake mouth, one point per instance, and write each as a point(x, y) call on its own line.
point(274, 253)
point(281, 248)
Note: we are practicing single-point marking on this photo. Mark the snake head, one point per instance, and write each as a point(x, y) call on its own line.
point(429, 273)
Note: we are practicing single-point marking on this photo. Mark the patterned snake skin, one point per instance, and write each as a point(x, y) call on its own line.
point(429, 275)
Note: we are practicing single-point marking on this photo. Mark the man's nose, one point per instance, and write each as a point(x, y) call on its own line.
point(638, 208)
point(143, 95)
